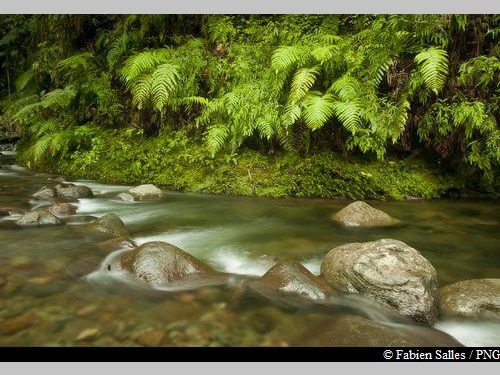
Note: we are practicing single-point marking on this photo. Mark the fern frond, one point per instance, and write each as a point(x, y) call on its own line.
point(286, 57)
point(143, 62)
point(163, 82)
point(78, 62)
point(59, 97)
point(141, 90)
point(24, 79)
point(317, 109)
point(291, 114)
point(433, 65)
point(216, 137)
point(325, 53)
point(346, 88)
point(350, 114)
point(303, 80)
point(118, 49)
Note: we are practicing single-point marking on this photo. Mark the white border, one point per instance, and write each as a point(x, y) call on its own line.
point(247, 6)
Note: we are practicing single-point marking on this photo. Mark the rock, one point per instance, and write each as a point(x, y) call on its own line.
point(10, 211)
point(145, 192)
point(119, 243)
point(45, 193)
point(353, 330)
point(160, 263)
point(388, 271)
point(61, 209)
point(87, 310)
point(72, 191)
point(16, 324)
point(291, 277)
point(38, 218)
point(126, 197)
point(88, 334)
point(477, 298)
point(109, 224)
point(151, 337)
point(361, 214)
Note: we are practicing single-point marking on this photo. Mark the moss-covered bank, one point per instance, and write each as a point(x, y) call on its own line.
point(181, 164)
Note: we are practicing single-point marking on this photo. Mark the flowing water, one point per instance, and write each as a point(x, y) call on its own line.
point(55, 291)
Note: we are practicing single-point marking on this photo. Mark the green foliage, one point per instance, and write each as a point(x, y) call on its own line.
point(375, 86)
point(433, 65)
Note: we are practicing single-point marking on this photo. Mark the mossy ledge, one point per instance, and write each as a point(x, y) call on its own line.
point(182, 164)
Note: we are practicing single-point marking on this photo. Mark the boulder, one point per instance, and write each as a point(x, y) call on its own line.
point(388, 271)
point(45, 193)
point(119, 243)
point(159, 263)
point(72, 191)
point(9, 211)
point(477, 298)
point(361, 214)
point(126, 197)
point(147, 191)
point(38, 218)
point(61, 209)
point(109, 224)
point(354, 330)
point(291, 277)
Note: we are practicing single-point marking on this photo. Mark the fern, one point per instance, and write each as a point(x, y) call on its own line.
point(143, 62)
point(318, 109)
point(286, 57)
point(350, 114)
point(303, 80)
point(433, 65)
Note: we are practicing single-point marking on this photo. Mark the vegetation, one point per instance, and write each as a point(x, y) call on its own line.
point(363, 106)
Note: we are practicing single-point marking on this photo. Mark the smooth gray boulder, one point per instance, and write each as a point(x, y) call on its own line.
point(38, 218)
point(361, 214)
point(388, 271)
point(159, 263)
point(146, 191)
point(476, 298)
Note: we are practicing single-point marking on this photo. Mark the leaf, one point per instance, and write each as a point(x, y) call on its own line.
point(317, 109)
point(285, 57)
point(303, 80)
point(433, 65)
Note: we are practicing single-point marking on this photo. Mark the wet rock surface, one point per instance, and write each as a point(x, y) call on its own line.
point(72, 191)
point(38, 218)
point(388, 271)
point(291, 277)
point(159, 263)
point(61, 209)
point(361, 214)
point(477, 298)
point(351, 330)
point(142, 192)
point(109, 224)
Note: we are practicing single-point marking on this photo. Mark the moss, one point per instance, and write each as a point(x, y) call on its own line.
point(185, 165)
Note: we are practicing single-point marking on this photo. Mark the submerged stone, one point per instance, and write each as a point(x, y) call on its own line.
point(38, 218)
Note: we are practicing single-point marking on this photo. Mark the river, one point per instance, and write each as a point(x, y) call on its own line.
point(54, 290)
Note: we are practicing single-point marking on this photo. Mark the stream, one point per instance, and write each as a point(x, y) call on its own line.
point(55, 291)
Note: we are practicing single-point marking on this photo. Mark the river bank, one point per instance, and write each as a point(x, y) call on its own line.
point(184, 165)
